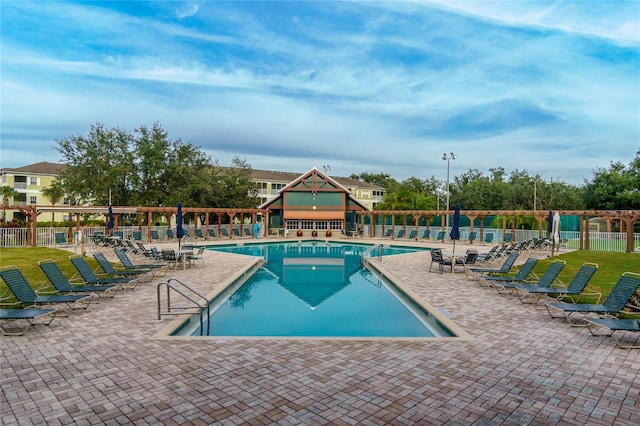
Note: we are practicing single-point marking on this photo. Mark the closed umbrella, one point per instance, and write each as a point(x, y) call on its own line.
point(550, 225)
point(455, 227)
point(556, 231)
point(179, 229)
point(110, 221)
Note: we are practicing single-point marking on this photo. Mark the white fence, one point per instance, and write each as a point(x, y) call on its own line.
point(598, 241)
point(17, 237)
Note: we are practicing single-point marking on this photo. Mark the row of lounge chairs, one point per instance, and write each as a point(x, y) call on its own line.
point(169, 234)
point(599, 317)
point(442, 235)
point(61, 296)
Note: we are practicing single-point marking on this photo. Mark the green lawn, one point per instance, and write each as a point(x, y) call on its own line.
point(27, 260)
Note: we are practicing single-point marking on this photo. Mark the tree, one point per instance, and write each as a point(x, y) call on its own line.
point(617, 187)
point(146, 167)
point(6, 192)
point(381, 179)
point(54, 192)
point(100, 166)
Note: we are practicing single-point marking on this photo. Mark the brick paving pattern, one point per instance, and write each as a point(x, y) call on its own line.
point(103, 366)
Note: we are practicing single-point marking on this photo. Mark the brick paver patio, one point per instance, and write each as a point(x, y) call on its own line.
point(103, 366)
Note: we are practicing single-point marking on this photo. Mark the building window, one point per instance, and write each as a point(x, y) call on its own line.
point(306, 224)
point(33, 200)
point(293, 224)
point(276, 187)
point(365, 194)
point(322, 224)
point(335, 224)
point(33, 181)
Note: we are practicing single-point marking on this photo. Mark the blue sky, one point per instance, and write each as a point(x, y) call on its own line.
point(550, 87)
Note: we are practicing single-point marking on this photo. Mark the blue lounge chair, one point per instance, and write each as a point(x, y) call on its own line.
point(488, 237)
point(98, 237)
point(199, 233)
point(578, 283)
point(400, 233)
point(440, 236)
point(508, 238)
point(472, 236)
point(613, 325)
point(426, 233)
point(615, 302)
point(212, 233)
point(235, 232)
point(127, 263)
point(89, 277)
point(137, 235)
point(108, 268)
point(224, 232)
point(60, 238)
point(28, 315)
point(27, 297)
point(413, 234)
point(63, 286)
point(169, 234)
point(506, 266)
point(545, 281)
point(389, 233)
point(521, 276)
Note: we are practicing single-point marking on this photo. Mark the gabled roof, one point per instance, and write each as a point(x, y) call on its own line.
point(41, 168)
point(277, 176)
point(318, 177)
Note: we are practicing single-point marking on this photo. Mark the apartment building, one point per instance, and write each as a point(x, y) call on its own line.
point(29, 181)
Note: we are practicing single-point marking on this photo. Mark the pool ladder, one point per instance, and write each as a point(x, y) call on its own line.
point(370, 250)
point(189, 294)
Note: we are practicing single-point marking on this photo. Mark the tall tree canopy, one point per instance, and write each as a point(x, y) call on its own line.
point(617, 187)
point(146, 167)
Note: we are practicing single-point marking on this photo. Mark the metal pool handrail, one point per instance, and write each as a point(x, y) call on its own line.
point(176, 287)
point(370, 250)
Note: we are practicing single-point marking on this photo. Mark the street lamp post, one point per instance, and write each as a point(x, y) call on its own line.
point(535, 194)
point(448, 158)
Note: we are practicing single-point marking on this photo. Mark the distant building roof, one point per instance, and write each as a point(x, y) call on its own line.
point(41, 168)
point(273, 176)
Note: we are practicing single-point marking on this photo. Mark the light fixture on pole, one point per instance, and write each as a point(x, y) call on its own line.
point(535, 194)
point(326, 168)
point(448, 158)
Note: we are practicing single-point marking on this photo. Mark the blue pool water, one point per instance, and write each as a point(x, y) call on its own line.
point(315, 289)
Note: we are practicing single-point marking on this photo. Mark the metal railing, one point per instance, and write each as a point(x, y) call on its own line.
point(370, 250)
point(188, 293)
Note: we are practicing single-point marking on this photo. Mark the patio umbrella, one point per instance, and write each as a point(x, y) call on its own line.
point(179, 229)
point(455, 227)
point(110, 221)
point(556, 231)
point(550, 225)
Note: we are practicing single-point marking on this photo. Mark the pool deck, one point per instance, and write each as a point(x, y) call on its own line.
point(103, 366)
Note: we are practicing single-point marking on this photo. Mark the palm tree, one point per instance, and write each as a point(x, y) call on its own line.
point(6, 192)
point(54, 192)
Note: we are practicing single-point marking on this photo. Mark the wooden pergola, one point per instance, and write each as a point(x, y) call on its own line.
point(626, 218)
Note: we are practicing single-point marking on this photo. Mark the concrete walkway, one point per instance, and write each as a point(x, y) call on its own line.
point(102, 366)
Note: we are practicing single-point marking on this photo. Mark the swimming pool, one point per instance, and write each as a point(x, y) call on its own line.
point(315, 289)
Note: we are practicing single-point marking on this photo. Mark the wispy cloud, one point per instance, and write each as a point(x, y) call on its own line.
point(364, 86)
